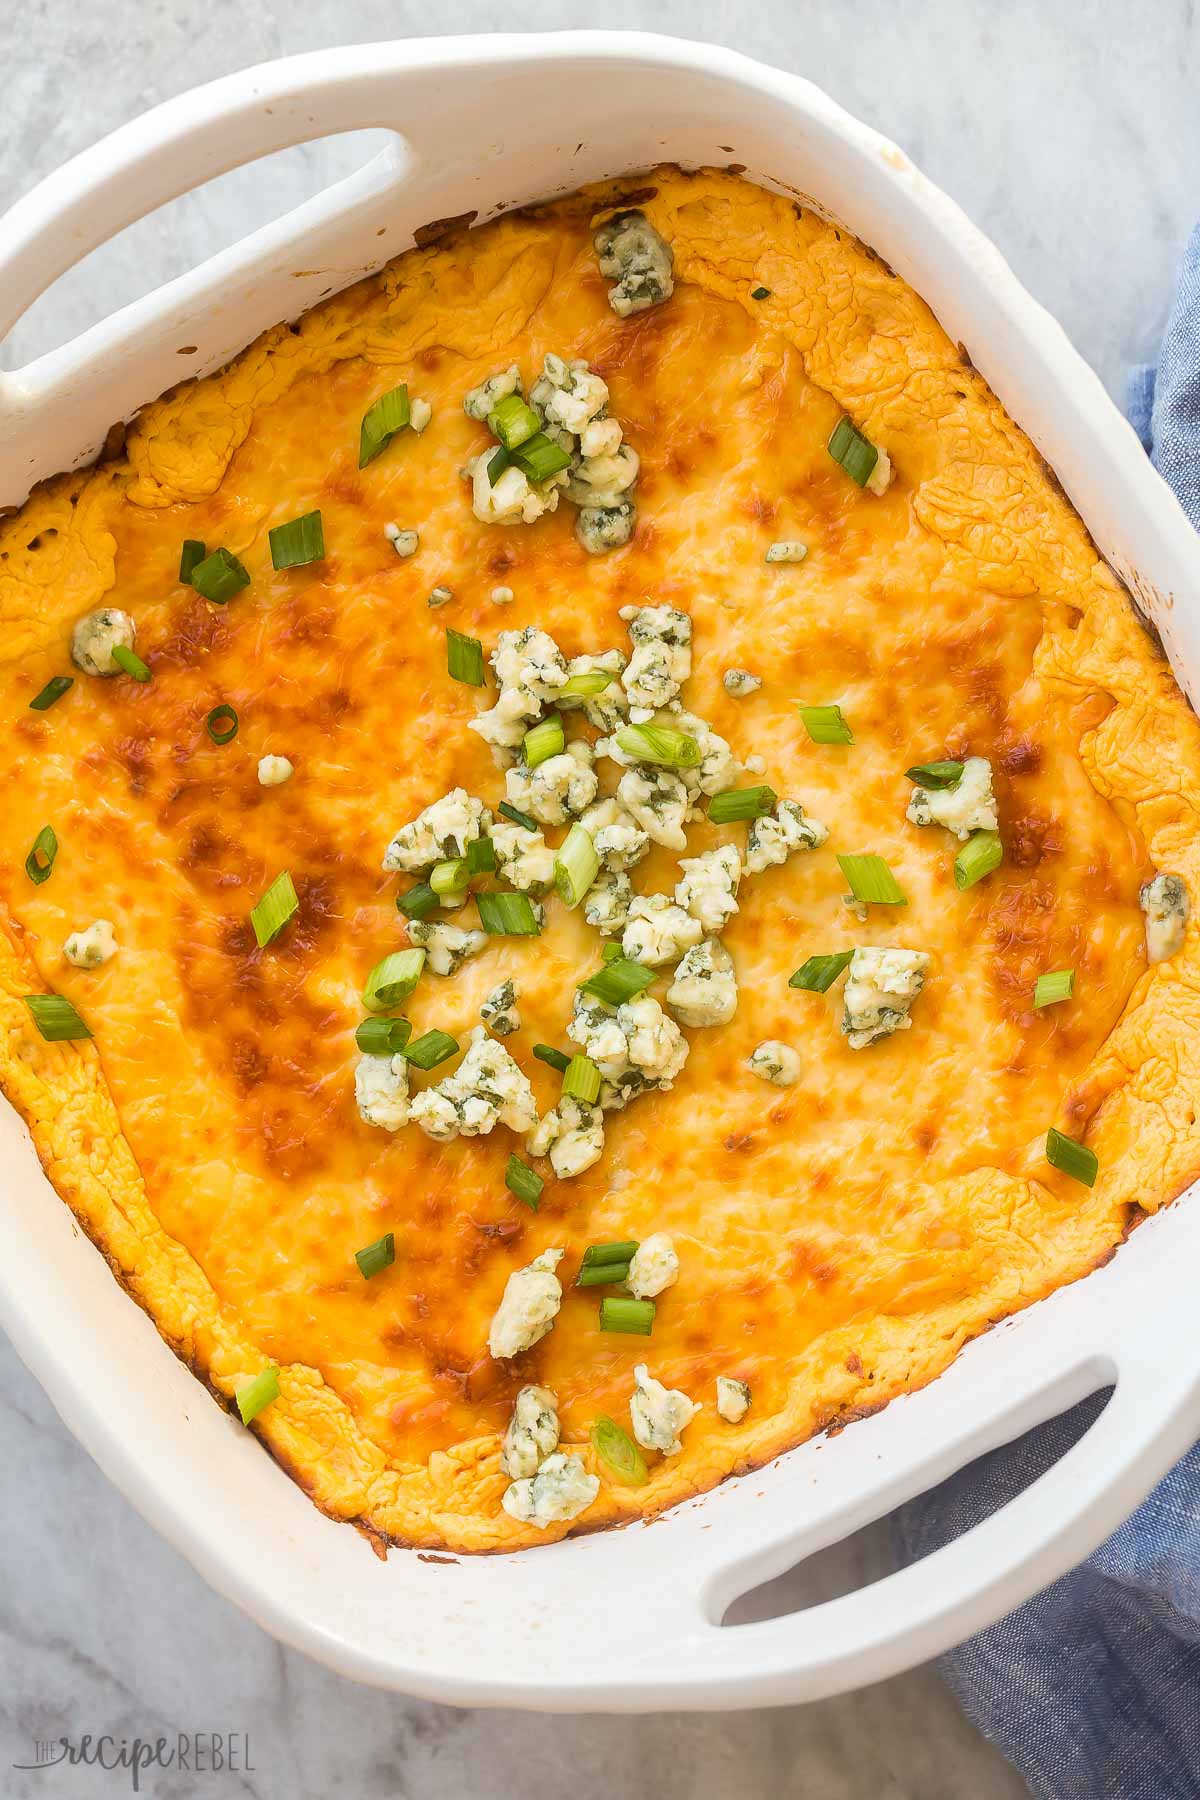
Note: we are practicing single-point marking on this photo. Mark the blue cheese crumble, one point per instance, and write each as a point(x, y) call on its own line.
point(561, 1490)
point(708, 888)
point(487, 1089)
point(775, 1062)
point(658, 801)
point(606, 906)
point(499, 1011)
point(273, 771)
point(658, 931)
point(653, 1267)
point(608, 709)
point(528, 1307)
point(91, 947)
point(532, 1433)
point(530, 669)
point(773, 839)
point(525, 858)
point(557, 790)
point(438, 834)
point(96, 635)
point(704, 990)
point(1167, 908)
point(970, 805)
point(603, 528)
point(637, 259)
point(718, 767)
point(381, 1091)
point(635, 1046)
point(662, 655)
point(881, 985)
point(446, 947)
point(571, 1135)
point(733, 1399)
point(485, 398)
point(619, 840)
point(659, 1413)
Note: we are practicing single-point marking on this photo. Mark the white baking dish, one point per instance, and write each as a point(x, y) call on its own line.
point(621, 1620)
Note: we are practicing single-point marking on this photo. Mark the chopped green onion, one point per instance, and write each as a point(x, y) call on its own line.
point(981, 853)
point(1072, 1157)
point(393, 979)
point(760, 293)
point(786, 550)
point(548, 1054)
point(826, 725)
point(450, 877)
point(588, 681)
point(376, 1257)
point(497, 462)
point(131, 663)
point(464, 658)
point(871, 880)
point(576, 865)
point(55, 1017)
point(1048, 990)
point(602, 1274)
point(615, 1447)
point(618, 981)
point(418, 902)
point(581, 1080)
point(935, 774)
point(543, 741)
point(252, 1396)
point(222, 724)
point(818, 974)
point(734, 804)
point(219, 577)
point(623, 1250)
point(611, 953)
point(432, 1048)
point(383, 1037)
point(856, 453)
point(507, 915)
point(54, 690)
point(659, 744)
point(632, 1316)
point(193, 552)
point(40, 860)
point(277, 906)
point(518, 818)
point(513, 421)
point(298, 542)
point(540, 457)
point(380, 424)
point(524, 1182)
point(481, 856)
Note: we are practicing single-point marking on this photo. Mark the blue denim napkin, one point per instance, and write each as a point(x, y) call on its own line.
point(1163, 400)
point(1092, 1689)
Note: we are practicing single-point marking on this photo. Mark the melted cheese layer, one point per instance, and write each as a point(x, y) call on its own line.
point(840, 1239)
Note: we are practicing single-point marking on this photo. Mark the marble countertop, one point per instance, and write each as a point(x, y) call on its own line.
point(1068, 134)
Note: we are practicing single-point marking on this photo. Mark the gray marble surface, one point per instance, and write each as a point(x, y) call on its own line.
point(1072, 135)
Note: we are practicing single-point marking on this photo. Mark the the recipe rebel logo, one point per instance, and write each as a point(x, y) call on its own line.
point(189, 1752)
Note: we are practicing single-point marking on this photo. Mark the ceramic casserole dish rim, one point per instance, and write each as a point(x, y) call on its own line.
point(505, 1630)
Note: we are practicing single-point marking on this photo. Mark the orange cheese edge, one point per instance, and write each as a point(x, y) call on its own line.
point(839, 1240)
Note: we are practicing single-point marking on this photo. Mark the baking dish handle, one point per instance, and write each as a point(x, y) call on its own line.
point(178, 146)
point(921, 1610)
